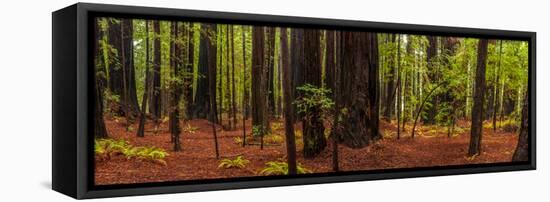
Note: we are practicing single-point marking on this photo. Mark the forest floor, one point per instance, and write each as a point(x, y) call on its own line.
point(431, 147)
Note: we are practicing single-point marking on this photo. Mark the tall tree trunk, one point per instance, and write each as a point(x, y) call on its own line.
point(115, 63)
point(210, 51)
point(245, 89)
point(246, 95)
point(390, 82)
point(290, 138)
point(398, 87)
point(270, 59)
point(125, 101)
point(233, 91)
point(330, 62)
point(333, 70)
point(357, 90)
point(522, 149)
point(99, 123)
point(188, 79)
point(260, 121)
point(313, 128)
point(141, 128)
point(297, 61)
point(496, 88)
point(479, 98)
point(227, 78)
point(128, 44)
point(155, 102)
point(175, 91)
point(431, 52)
point(207, 55)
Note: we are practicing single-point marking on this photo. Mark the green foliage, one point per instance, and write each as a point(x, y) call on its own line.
point(190, 129)
point(238, 140)
point(274, 139)
point(106, 148)
point(239, 162)
point(281, 168)
point(313, 97)
point(259, 130)
point(276, 126)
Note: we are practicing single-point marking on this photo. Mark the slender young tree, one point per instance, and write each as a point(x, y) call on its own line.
point(496, 87)
point(175, 91)
point(188, 78)
point(210, 46)
point(245, 89)
point(479, 98)
point(147, 84)
point(233, 90)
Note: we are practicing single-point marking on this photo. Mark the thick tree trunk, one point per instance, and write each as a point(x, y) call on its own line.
point(313, 127)
point(99, 123)
point(207, 55)
point(128, 44)
point(155, 102)
point(522, 149)
point(479, 98)
point(259, 83)
point(115, 64)
point(289, 107)
point(330, 61)
point(297, 61)
point(357, 90)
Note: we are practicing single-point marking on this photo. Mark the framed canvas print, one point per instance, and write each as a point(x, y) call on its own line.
point(155, 100)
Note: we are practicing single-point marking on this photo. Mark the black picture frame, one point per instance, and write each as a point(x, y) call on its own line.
point(72, 121)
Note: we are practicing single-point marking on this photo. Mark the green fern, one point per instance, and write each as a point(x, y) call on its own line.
point(281, 168)
point(190, 129)
point(106, 148)
point(239, 162)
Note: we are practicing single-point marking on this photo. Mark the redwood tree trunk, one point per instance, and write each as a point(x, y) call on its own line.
point(99, 123)
point(155, 102)
point(128, 43)
point(207, 71)
point(479, 98)
point(259, 82)
point(289, 107)
point(522, 150)
point(147, 85)
point(357, 90)
point(313, 128)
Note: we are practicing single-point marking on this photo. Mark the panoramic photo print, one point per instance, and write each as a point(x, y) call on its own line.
point(180, 101)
